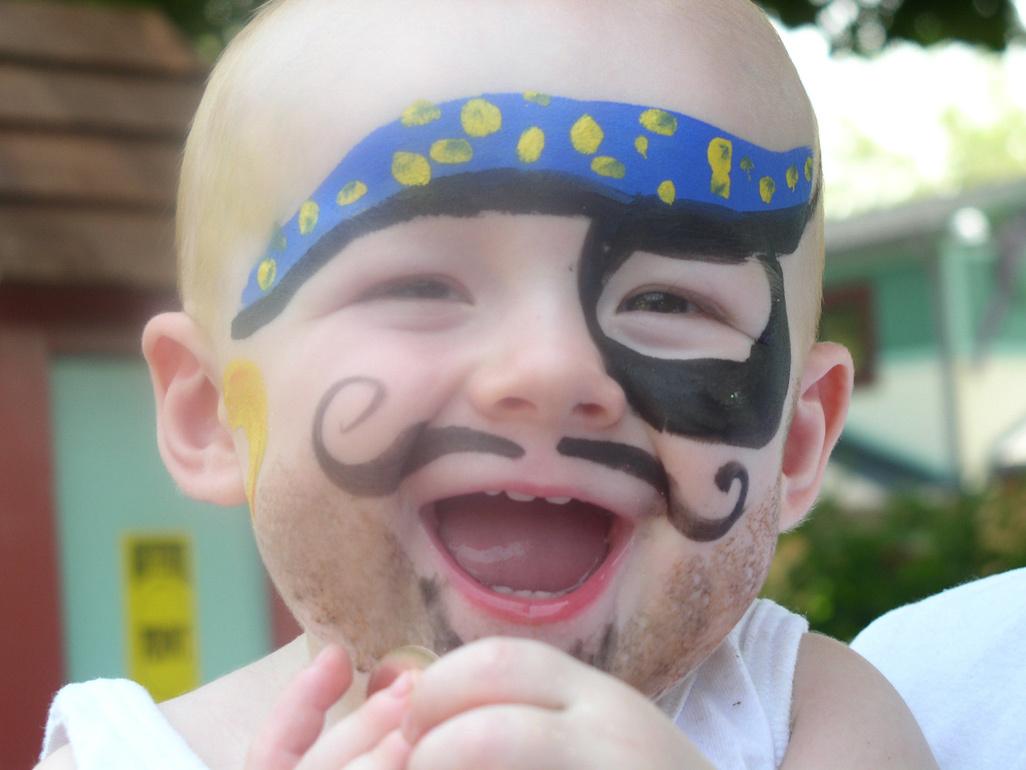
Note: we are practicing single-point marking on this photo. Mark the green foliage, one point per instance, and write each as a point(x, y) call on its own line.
point(863, 26)
point(842, 569)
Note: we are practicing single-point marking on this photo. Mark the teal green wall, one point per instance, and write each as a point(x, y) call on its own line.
point(109, 480)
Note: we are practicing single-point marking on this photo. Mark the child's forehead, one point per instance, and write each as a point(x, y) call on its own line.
point(342, 69)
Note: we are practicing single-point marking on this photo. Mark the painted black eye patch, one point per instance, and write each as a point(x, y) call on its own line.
point(739, 403)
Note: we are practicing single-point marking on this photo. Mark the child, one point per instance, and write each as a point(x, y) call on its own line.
point(501, 315)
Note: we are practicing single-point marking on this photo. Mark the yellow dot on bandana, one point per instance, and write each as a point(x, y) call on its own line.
point(351, 193)
point(411, 169)
point(308, 214)
point(420, 113)
point(667, 192)
point(792, 177)
point(480, 118)
point(538, 98)
point(586, 135)
point(451, 151)
point(603, 165)
point(530, 145)
point(808, 169)
point(659, 122)
point(641, 145)
point(766, 189)
point(266, 273)
point(719, 153)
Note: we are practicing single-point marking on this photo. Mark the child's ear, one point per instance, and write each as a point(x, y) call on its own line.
point(196, 446)
point(822, 405)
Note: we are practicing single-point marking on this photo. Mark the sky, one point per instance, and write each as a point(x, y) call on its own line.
point(896, 99)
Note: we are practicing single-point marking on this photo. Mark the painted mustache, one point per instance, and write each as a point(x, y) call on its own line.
point(419, 445)
point(412, 449)
point(640, 464)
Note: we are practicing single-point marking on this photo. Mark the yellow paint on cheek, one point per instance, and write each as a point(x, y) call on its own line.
point(719, 154)
point(245, 398)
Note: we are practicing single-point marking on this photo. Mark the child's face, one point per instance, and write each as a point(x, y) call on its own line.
point(461, 438)
point(441, 360)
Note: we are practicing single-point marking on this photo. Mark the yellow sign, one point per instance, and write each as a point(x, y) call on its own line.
point(160, 614)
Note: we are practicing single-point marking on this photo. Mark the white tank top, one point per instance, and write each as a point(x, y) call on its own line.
point(735, 707)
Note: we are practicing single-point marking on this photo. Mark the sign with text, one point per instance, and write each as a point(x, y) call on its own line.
point(160, 612)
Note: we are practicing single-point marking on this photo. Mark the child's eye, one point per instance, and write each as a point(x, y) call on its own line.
point(420, 288)
point(656, 301)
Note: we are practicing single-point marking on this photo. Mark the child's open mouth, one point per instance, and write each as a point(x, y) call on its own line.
point(535, 558)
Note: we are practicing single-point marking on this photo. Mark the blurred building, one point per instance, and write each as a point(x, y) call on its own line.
point(107, 570)
point(931, 299)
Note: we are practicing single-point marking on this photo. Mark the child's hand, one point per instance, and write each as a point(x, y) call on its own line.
point(514, 703)
point(368, 739)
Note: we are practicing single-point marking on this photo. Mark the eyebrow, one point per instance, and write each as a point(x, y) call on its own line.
point(658, 170)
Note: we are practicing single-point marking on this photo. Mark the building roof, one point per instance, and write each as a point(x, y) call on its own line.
point(95, 103)
point(917, 224)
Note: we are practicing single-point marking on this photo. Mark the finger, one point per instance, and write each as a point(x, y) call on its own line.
point(391, 754)
point(493, 671)
point(297, 718)
point(406, 658)
point(363, 730)
point(510, 737)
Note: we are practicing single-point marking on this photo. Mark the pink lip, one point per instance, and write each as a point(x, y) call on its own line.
point(539, 611)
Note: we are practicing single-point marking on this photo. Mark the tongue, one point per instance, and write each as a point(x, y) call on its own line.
point(536, 546)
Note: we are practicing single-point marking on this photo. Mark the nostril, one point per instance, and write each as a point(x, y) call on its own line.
point(513, 403)
point(590, 410)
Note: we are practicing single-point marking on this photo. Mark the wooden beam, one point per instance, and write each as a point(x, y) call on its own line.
point(40, 243)
point(40, 167)
point(93, 36)
point(74, 102)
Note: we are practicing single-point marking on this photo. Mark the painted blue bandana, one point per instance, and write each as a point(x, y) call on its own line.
point(622, 154)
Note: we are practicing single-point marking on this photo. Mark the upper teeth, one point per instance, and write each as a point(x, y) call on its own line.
point(521, 497)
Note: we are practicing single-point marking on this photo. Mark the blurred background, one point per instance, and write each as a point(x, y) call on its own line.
point(107, 570)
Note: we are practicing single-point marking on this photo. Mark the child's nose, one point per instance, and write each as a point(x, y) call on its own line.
point(546, 369)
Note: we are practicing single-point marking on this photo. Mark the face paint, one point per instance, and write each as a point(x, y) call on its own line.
point(528, 152)
point(640, 464)
point(245, 400)
point(412, 449)
point(732, 402)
